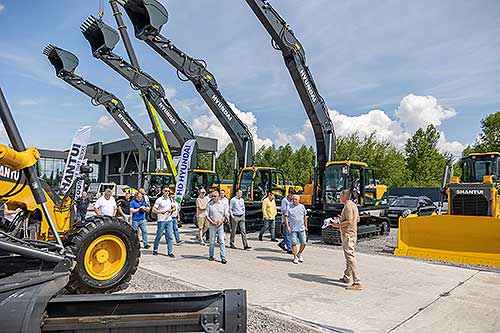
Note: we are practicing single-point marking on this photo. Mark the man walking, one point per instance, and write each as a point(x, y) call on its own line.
point(216, 213)
point(296, 225)
point(82, 204)
point(105, 205)
point(138, 209)
point(175, 219)
point(201, 215)
point(124, 207)
point(237, 213)
point(163, 208)
point(286, 244)
point(349, 219)
point(269, 214)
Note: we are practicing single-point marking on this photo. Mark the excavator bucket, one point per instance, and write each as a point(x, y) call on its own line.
point(456, 238)
point(62, 60)
point(100, 35)
point(146, 15)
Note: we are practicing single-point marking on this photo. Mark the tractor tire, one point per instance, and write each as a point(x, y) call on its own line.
point(103, 242)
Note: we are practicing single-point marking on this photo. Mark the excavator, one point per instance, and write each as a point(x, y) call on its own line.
point(148, 18)
point(103, 39)
point(92, 257)
point(65, 63)
point(330, 176)
point(470, 231)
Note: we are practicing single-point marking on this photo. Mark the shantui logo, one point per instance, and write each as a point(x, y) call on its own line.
point(309, 86)
point(222, 107)
point(470, 192)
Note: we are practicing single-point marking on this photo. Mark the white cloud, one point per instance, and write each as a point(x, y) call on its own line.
point(2, 7)
point(208, 125)
point(414, 112)
point(27, 102)
point(105, 122)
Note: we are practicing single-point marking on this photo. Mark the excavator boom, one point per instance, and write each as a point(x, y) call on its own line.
point(294, 56)
point(148, 16)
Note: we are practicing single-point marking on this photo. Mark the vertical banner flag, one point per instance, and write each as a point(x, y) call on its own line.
point(76, 158)
point(183, 169)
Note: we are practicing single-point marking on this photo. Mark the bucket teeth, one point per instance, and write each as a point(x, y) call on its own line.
point(62, 60)
point(99, 34)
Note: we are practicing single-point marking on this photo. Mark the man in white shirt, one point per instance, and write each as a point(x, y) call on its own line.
point(164, 208)
point(237, 212)
point(106, 205)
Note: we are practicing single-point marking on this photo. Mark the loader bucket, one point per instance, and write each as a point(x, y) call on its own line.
point(101, 36)
point(146, 15)
point(456, 238)
point(62, 60)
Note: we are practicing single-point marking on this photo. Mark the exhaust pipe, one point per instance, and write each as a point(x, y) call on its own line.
point(62, 60)
point(146, 15)
point(102, 37)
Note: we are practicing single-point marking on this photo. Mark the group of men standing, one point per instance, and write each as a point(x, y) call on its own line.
point(213, 211)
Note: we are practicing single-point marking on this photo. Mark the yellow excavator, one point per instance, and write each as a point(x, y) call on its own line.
point(470, 232)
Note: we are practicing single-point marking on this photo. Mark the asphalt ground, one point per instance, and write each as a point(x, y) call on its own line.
point(400, 294)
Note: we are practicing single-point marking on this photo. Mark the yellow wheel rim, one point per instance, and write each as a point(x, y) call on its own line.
point(105, 257)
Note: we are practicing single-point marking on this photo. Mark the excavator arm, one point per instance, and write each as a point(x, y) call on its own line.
point(148, 16)
point(294, 56)
point(65, 63)
point(102, 39)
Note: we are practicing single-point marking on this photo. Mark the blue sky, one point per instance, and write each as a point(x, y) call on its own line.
point(388, 66)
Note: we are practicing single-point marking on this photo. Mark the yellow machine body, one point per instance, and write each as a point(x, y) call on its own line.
point(470, 232)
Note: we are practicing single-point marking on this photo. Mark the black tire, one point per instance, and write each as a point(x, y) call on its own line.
point(80, 281)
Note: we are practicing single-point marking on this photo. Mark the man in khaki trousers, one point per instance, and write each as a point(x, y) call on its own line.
point(348, 225)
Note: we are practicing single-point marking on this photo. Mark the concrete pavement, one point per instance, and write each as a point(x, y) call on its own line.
point(400, 295)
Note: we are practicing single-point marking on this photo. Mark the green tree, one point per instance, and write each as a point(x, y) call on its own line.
point(384, 157)
point(205, 161)
point(424, 162)
point(224, 164)
point(489, 139)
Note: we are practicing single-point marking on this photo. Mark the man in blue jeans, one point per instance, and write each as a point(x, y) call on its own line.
point(286, 244)
point(163, 208)
point(138, 209)
point(216, 213)
point(296, 225)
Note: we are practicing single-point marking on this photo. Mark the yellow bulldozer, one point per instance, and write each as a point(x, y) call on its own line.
point(470, 231)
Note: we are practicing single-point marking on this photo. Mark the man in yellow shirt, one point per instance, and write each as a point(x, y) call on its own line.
point(269, 213)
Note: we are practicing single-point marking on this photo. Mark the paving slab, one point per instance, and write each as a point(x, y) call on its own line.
point(395, 289)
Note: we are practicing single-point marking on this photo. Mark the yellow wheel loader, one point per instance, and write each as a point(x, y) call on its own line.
point(470, 232)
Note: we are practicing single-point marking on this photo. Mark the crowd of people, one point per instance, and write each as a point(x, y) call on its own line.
point(215, 210)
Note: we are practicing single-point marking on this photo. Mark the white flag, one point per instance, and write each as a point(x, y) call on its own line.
point(76, 158)
point(183, 170)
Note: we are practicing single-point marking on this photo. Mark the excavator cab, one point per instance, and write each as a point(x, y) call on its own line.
point(356, 177)
point(256, 182)
point(62, 60)
point(146, 15)
point(100, 35)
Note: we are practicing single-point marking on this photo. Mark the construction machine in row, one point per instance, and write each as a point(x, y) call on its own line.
point(44, 250)
point(330, 176)
point(148, 17)
point(470, 231)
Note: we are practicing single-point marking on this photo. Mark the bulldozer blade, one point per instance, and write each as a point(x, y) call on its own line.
point(62, 60)
point(462, 239)
point(146, 15)
point(101, 36)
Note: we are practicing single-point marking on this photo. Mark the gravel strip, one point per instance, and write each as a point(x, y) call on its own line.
point(259, 319)
point(385, 246)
